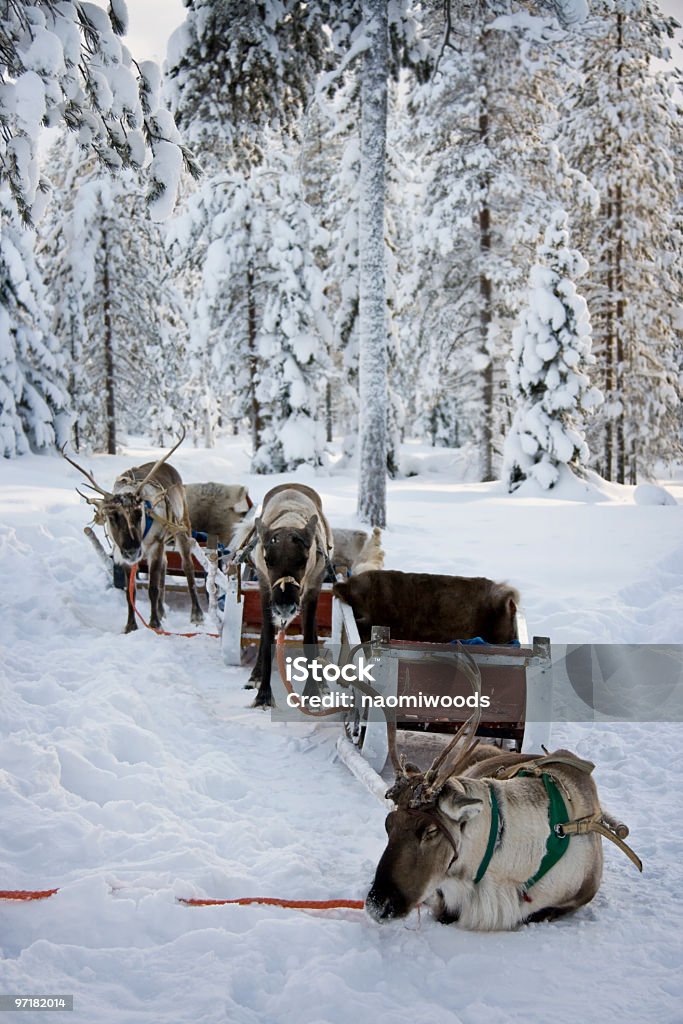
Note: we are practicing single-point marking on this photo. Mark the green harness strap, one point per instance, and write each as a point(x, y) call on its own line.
point(555, 846)
point(493, 835)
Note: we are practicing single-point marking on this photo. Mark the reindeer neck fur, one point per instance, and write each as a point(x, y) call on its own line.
point(496, 902)
point(163, 491)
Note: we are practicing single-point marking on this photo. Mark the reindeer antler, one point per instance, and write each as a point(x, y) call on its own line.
point(160, 462)
point(93, 483)
point(451, 758)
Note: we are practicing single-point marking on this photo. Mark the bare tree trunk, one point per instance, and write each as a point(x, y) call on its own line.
point(109, 386)
point(620, 441)
point(255, 410)
point(609, 354)
point(373, 389)
point(485, 291)
point(328, 411)
point(484, 324)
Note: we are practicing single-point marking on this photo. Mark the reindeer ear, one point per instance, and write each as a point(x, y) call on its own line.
point(458, 807)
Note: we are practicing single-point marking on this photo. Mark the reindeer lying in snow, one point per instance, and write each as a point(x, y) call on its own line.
point(146, 510)
point(493, 841)
point(291, 556)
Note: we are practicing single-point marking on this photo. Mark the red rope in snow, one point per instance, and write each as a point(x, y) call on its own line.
point(272, 901)
point(26, 894)
point(300, 706)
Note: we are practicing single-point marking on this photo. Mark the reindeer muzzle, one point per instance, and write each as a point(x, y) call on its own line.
point(385, 905)
point(285, 598)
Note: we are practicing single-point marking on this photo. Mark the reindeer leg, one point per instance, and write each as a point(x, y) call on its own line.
point(309, 607)
point(264, 697)
point(131, 625)
point(255, 677)
point(156, 565)
point(188, 568)
point(162, 585)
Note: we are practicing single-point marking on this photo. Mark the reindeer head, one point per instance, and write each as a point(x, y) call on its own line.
point(123, 510)
point(288, 552)
point(423, 848)
point(425, 830)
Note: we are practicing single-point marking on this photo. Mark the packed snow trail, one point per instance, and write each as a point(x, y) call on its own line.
point(133, 772)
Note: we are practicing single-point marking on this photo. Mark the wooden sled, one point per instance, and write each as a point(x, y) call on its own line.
point(521, 700)
point(242, 619)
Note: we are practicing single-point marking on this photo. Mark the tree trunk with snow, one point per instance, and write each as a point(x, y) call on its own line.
point(373, 390)
point(108, 339)
point(254, 410)
point(485, 301)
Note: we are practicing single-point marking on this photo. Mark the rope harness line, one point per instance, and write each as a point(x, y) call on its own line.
point(280, 653)
point(273, 901)
point(26, 894)
point(159, 632)
point(283, 580)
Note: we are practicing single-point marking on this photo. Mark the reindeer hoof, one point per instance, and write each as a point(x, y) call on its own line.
point(250, 685)
point(263, 702)
point(130, 627)
point(197, 618)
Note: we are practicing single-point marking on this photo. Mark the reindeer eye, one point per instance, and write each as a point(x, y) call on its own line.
point(430, 832)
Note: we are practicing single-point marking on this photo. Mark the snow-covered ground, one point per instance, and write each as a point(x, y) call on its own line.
point(132, 771)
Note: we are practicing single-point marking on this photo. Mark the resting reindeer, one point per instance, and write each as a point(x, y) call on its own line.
point(217, 509)
point(429, 608)
point(485, 847)
point(145, 510)
point(291, 556)
point(355, 551)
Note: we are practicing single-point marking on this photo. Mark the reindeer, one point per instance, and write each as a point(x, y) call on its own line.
point(485, 841)
point(145, 510)
point(429, 608)
point(292, 546)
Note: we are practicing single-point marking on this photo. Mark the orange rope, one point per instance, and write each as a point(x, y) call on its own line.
point(272, 901)
point(159, 632)
point(26, 894)
point(323, 712)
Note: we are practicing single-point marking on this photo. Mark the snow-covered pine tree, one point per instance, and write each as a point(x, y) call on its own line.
point(259, 307)
point(293, 367)
point(330, 171)
point(619, 127)
point(114, 302)
point(550, 353)
point(490, 175)
point(33, 397)
point(63, 62)
point(234, 72)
